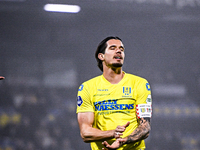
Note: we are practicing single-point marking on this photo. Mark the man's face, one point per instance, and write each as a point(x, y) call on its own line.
point(114, 53)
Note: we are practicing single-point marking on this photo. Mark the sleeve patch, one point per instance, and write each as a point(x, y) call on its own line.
point(149, 100)
point(148, 86)
point(144, 110)
point(79, 101)
point(80, 88)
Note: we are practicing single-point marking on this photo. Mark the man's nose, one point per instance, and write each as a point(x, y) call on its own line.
point(118, 50)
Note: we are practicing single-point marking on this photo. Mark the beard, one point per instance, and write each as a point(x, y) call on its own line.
point(117, 65)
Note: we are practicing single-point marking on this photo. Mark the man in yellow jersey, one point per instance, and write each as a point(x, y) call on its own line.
point(114, 109)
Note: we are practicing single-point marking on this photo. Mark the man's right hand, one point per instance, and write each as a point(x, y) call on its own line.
point(119, 141)
point(119, 130)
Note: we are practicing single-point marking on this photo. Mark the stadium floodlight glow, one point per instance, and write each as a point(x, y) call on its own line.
point(62, 8)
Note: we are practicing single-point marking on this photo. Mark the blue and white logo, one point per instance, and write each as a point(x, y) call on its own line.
point(148, 86)
point(80, 88)
point(79, 101)
point(127, 90)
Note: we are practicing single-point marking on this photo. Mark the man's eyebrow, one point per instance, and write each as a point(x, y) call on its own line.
point(122, 47)
point(116, 46)
point(112, 46)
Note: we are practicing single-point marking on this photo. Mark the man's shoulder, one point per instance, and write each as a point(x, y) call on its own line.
point(92, 80)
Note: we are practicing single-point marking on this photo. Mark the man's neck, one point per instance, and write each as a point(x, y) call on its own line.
point(113, 76)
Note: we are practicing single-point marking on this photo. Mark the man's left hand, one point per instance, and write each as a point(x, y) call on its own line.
point(116, 144)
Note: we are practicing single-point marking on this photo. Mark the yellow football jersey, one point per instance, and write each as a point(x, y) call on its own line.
point(115, 104)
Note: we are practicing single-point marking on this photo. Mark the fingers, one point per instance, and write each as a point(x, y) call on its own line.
point(120, 129)
point(117, 134)
point(105, 143)
point(107, 146)
point(127, 124)
point(122, 140)
point(116, 144)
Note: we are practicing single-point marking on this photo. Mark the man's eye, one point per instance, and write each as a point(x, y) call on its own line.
point(121, 49)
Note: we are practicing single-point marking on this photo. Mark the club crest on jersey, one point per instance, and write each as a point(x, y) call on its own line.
point(126, 91)
point(79, 101)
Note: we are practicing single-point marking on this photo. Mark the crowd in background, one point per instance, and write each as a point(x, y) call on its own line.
point(41, 118)
point(38, 119)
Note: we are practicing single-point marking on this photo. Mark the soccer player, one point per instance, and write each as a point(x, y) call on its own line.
point(114, 109)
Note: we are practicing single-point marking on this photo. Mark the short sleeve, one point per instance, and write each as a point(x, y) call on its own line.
point(144, 100)
point(143, 92)
point(84, 103)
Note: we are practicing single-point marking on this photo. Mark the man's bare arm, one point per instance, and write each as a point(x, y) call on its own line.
point(89, 134)
point(141, 132)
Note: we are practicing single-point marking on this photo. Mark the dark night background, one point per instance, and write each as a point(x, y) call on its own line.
point(45, 56)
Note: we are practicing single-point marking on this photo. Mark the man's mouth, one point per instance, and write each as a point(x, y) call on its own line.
point(118, 57)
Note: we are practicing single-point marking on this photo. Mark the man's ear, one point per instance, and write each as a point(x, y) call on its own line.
point(101, 56)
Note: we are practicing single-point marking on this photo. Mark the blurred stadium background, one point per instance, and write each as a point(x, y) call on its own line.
point(45, 56)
